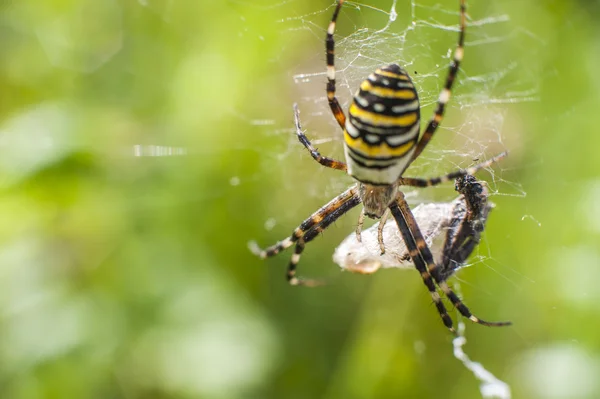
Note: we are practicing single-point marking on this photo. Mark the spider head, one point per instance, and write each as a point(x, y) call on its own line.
point(376, 199)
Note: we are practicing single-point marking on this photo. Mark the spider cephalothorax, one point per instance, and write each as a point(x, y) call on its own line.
point(376, 199)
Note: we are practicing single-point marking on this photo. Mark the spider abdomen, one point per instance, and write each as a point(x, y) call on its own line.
point(383, 126)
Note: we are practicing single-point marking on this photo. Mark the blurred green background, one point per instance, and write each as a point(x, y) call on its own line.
point(124, 274)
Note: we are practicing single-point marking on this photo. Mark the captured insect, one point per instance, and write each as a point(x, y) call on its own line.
point(381, 140)
point(451, 228)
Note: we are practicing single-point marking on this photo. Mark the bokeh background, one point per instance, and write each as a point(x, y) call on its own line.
point(144, 143)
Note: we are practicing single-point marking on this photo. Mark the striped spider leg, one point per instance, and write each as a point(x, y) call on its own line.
point(430, 272)
point(381, 140)
point(307, 231)
point(421, 254)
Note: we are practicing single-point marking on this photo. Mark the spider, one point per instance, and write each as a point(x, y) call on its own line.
point(463, 220)
point(381, 139)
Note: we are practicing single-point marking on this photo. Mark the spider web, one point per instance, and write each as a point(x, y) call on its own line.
point(421, 37)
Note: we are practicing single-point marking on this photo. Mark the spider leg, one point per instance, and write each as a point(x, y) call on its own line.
point(305, 226)
point(417, 258)
point(336, 109)
point(308, 230)
point(416, 182)
point(421, 256)
point(291, 271)
point(309, 236)
point(325, 161)
point(444, 97)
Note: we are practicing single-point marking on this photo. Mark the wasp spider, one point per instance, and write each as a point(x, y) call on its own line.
point(381, 139)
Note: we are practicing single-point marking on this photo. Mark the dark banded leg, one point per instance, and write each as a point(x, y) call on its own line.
point(291, 271)
point(419, 262)
point(329, 48)
point(315, 219)
point(309, 236)
point(444, 97)
point(416, 182)
point(413, 236)
point(325, 161)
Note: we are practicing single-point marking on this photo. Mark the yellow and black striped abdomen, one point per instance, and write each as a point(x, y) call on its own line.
point(383, 126)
